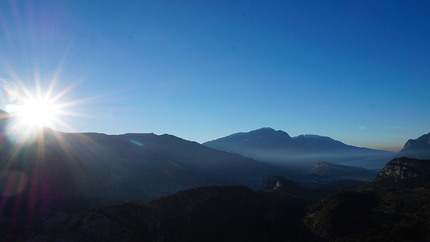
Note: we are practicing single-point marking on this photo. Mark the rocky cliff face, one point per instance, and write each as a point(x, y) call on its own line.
point(416, 148)
point(403, 168)
point(394, 207)
point(281, 184)
point(423, 140)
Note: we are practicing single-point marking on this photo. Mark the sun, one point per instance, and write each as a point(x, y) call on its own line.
point(33, 109)
point(38, 111)
point(31, 115)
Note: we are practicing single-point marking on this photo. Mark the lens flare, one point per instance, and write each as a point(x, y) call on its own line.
point(38, 111)
point(12, 182)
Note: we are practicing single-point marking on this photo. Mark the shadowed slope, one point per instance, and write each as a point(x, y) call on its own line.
point(229, 213)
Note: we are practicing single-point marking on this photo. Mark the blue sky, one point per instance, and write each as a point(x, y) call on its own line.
point(357, 71)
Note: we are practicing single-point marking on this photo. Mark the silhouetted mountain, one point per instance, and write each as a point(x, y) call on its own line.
point(73, 171)
point(263, 144)
point(137, 167)
point(278, 147)
point(416, 148)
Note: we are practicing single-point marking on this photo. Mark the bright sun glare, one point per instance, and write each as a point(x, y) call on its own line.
point(30, 114)
point(38, 111)
point(32, 109)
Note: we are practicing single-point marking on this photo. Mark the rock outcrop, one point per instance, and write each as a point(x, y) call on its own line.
point(281, 184)
point(403, 168)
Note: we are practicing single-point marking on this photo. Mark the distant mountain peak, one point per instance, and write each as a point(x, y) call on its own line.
point(262, 133)
point(263, 129)
point(269, 131)
point(268, 145)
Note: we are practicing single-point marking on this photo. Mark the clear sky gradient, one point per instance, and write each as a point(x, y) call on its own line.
point(357, 71)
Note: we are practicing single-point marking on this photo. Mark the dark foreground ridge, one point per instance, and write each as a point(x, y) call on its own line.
point(394, 207)
point(282, 212)
point(214, 213)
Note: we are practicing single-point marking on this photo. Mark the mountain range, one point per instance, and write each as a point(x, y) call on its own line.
point(46, 185)
point(74, 171)
point(303, 151)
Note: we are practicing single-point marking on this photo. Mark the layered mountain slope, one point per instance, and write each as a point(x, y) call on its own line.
point(396, 209)
point(278, 147)
point(236, 213)
point(416, 148)
point(71, 172)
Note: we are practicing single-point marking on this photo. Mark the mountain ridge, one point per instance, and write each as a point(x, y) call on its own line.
point(418, 148)
point(93, 168)
point(278, 147)
point(64, 191)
